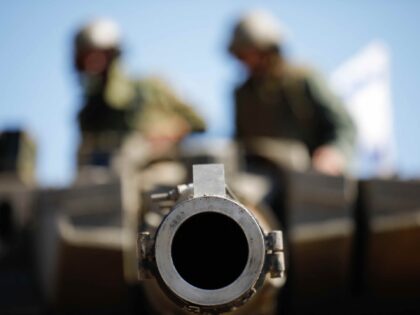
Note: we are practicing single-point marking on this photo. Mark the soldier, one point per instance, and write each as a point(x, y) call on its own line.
point(116, 105)
point(286, 102)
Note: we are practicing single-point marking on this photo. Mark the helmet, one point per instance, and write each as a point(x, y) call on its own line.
point(100, 34)
point(256, 29)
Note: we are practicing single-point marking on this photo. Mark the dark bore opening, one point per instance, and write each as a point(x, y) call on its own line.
point(210, 250)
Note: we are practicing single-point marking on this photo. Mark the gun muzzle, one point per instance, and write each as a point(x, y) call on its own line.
point(210, 254)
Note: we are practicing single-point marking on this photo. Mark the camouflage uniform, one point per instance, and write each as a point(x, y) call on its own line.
point(121, 105)
point(291, 103)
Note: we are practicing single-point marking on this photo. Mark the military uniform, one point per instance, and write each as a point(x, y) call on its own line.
point(120, 105)
point(291, 103)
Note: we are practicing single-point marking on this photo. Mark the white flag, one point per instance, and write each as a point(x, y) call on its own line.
point(363, 82)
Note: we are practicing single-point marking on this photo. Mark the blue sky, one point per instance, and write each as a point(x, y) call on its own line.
point(185, 41)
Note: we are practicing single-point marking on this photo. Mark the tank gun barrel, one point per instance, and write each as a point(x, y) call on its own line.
point(209, 254)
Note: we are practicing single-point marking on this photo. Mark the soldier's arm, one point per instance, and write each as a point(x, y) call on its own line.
point(239, 98)
point(166, 100)
point(195, 121)
point(339, 129)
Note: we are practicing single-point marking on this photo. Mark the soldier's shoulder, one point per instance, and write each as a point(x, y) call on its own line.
point(154, 83)
point(299, 71)
point(156, 91)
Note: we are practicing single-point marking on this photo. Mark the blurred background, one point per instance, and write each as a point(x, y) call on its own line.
point(68, 238)
point(186, 42)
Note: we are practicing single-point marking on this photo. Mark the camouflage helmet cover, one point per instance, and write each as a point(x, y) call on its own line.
point(100, 33)
point(256, 29)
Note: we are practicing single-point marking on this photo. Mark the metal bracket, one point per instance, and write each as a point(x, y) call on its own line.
point(209, 180)
point(275, 255)
point(144, 254)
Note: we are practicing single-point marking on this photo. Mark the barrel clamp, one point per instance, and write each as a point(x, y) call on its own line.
point(274, 254)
